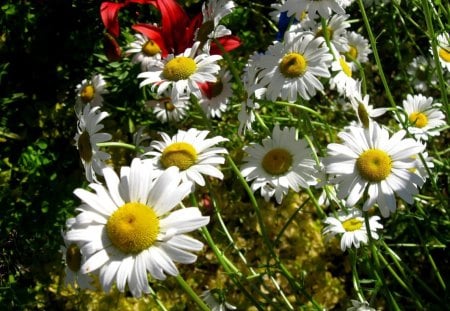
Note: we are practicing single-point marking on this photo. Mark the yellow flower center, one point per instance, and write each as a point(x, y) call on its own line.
point(179, 154)
point(444, 54)
point(293, 65)
point(73, 257)
point(151, 48)
point(277, 161)
point(418, 119)
point(133, 227)
point(345, 67)
point(85, 147)
point(352, 224)
point(374, 165)
point(179, 68)
point(353, 52)
point(363, 115)
point(87, 93)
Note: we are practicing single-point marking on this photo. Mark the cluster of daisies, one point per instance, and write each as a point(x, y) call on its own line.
point(134, 223)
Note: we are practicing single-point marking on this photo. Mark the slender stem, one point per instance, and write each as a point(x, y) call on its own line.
point(373, 44)
point(432, 34)
point(120, 145)
point(191, 293)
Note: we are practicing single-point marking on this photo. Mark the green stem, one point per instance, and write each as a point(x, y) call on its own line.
point(432, 34)
point(120, 145)
point(373, 44)
point(191, 293)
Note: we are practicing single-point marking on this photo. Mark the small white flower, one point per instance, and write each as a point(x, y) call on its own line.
point(87, 138)
point(280, 163)
point(144, 50)
point(90, 91)
point(358, 49)
point(369, 160)
point(443, 50)
point(191, 152)
point(424, 118)
point(360, 306)
point(352, 226)
point(128, 227)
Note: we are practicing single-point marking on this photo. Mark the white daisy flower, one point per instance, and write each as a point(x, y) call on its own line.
point(343, 81)
point(215, 300)
point(422, 73)
point(370, 159)
point(292, 67)
point(90, 91)
point(276, 10)
point(360, 306)
point(191, 152)
point(358, 49)
point(169, 107)
point(363, 110)
point(443, 50)
point(144, 51)
point(216, 95)
point(323, 7)
point(280, 163)
point(87, 138)
point(73, 260)
point(128, 228)
point(424, 117)
point(352, 226)
point(182, 73)
point(336, 27)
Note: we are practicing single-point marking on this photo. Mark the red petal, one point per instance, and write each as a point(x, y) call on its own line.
point(228, 43)
point(109, 12)
point(174, 22)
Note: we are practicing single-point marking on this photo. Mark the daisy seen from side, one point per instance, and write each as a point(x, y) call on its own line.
point(358, 49)
point(129, 227)
point(293, 67)
point(190, 151)
point(86, 139)
point(182, 73)
point(351, 225)
point(342, 80)
point(370, 162)
point(424, 117)
point(169, 107)
point(73, 259)
point(216, 95)
point(279, 163)
point(363, 110)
